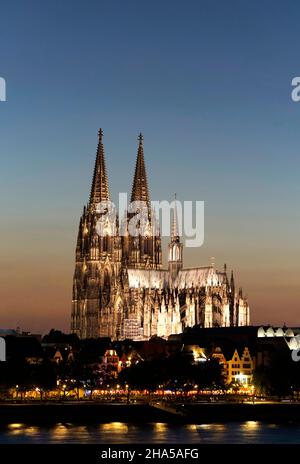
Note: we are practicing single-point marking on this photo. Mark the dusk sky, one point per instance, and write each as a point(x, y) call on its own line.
point(209, 85)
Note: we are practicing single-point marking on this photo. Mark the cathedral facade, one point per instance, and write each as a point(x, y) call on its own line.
point(120, 289)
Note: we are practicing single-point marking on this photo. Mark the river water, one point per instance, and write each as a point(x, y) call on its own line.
point(120, 432)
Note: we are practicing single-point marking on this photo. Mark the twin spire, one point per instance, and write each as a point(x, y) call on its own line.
point(140, 185)
point(100, 191)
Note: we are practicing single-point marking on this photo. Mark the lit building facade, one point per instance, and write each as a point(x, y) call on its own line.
point(120, 289)
point(237, 367)
point(240, 367)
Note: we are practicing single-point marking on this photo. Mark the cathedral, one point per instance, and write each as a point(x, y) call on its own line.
point(120, 289)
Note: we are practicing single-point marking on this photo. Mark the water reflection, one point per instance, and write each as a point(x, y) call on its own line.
point(212, 427)
point(114, 427)
point(161, 431)
point(59, 432)
point(15, 426)
point(192, 427)
point(204, 426)
point(120, 432)
point(251, 425)
point(161, 426)
point(272, 426)
point(31, 431)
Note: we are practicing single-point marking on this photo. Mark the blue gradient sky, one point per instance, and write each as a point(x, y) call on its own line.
point(207, 82)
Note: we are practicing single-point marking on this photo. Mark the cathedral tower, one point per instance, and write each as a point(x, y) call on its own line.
point(95, 255)
point(144, 250)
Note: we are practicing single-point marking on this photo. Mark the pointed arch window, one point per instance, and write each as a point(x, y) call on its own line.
point(105, 242)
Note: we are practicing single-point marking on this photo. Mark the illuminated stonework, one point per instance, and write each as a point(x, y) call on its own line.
point(120, 289)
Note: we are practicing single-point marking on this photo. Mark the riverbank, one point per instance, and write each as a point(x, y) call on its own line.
point(169, 413)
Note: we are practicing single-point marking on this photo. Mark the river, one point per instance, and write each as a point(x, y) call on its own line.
point(121, 432)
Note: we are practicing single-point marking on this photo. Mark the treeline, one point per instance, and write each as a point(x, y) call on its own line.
point(176, 372)
point(279, 377)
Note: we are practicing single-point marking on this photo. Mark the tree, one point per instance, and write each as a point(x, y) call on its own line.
point(208, 375)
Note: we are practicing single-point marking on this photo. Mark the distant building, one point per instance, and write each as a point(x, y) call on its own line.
point(17, 333)
point(111, 362)
point(219, 356)
point(290, 335)
point(237, 366)
point(240, 367)
point(6, 332)
point(58, 352)
point(27, 348)
point(198, 353)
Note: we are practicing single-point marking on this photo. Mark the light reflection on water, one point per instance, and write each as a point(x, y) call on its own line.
point(120, 432)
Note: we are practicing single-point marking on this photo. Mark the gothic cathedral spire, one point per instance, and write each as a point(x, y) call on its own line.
point(140, 186)
point(99, 190)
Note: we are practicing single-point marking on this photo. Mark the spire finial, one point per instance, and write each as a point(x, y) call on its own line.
point(100, 134)
point(140, 138)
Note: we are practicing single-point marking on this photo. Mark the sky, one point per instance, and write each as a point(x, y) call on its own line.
point(209, 85)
